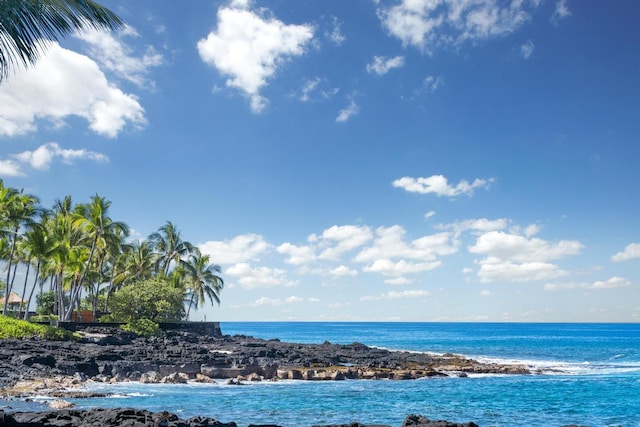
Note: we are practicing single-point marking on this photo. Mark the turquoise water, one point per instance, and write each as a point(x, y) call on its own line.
point(589, 375)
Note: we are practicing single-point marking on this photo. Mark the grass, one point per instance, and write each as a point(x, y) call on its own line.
point(18, 329)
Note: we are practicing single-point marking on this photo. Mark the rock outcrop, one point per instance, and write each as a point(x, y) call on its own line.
point(110, 355)
point(128, 417)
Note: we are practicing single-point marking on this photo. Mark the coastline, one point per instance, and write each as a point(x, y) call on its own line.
point(60, 369)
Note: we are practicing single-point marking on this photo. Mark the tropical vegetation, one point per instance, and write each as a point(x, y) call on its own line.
point(74, 258)
point(17, 329)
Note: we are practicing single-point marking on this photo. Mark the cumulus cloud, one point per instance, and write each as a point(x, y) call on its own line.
point(342, 271)
point(242, 248)
point(519, 258)
point(439, 185)
point(475, 225)
point(42, 157)
point(249, 277)
point(427, 25)
point(612, 283)
point(494, 269)
point(346, 113)
point(527, 49)
point(400, 268)
point(506, 246)
point(298, 255)
point(382, 65)
point(344, 238)
point(390, 243)
point(10, 168)
point(109, 49)
point(62, 84)
point(631, 251)
point(249, 46)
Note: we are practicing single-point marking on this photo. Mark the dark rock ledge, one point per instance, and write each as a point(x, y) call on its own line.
point(59, 369)
point(141, 418)
point(111, 355)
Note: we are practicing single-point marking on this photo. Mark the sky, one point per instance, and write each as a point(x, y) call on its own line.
point(396, 160)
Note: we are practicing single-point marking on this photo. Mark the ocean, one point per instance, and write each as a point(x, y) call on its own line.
point(586, 374)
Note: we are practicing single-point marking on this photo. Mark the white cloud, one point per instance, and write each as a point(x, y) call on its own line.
point(432, 83)
point(10, 168)
point(416, 293)
point(350, 110)
point(336, 35)
point(631, 251)
point(612, 283)
point(398, 281)
point(492, 270)
point(242, 248)
point(439, 185)
point(485, 293)
point(382, 65)
point(249, 48)
point(518, 258)
point(259, 277)
point(312, 89)
point(429, 214)
point(475, 225)
point(343, 271)
point(505, 246)
point(298, 255)
point(64, 83)
point(430, 24)
point(41, 157)
point(391, 255)
point(399, 268)
point(527, 49)
point(276, 301)
point(562, 11)
point(390, 243)
point(344, 238)
point(116, 56)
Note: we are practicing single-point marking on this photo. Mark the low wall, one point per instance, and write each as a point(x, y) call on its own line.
point(200, 328)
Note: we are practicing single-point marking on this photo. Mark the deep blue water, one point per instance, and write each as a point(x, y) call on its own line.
point(589, 375)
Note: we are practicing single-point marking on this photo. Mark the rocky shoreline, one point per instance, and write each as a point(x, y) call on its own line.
point(50, 368)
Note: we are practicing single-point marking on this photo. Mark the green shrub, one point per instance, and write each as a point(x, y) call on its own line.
point(143, 327)
point(18, 329)
point(43, 318)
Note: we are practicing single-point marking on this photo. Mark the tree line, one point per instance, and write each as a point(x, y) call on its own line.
point(82, 257)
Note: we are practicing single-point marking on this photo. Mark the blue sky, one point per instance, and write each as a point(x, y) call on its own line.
point(471, 160)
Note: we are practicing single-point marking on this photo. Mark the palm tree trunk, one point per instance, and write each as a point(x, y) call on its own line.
point(24, 289)
point(7, 290)
point(33, 288)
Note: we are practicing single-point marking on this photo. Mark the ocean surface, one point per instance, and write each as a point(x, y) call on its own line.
point(587, 374)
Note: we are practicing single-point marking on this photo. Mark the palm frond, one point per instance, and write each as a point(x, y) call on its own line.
point(26, 26)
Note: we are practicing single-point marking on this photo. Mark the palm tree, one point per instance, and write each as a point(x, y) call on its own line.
point(17, 210)
point(27, 26)
point(167, 241)
point(37, 245)
point(101, 231)
point(202, 279)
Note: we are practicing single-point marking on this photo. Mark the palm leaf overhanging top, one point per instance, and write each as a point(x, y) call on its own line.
point(25, 23)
